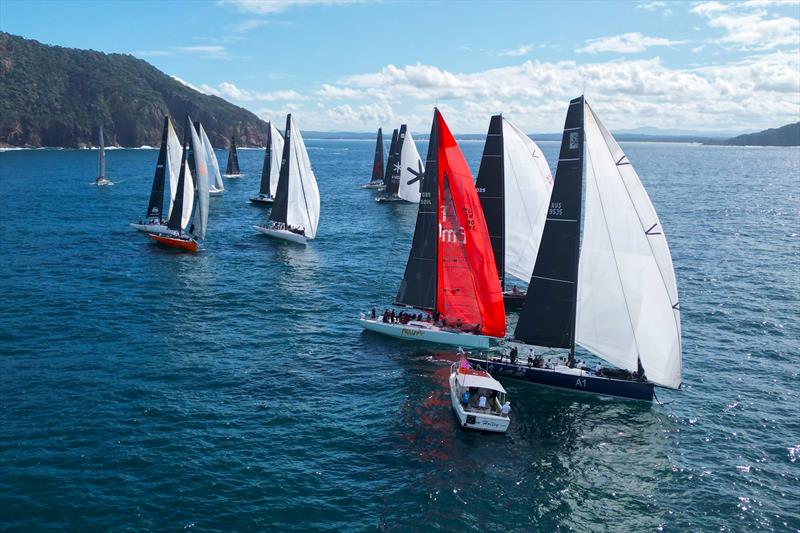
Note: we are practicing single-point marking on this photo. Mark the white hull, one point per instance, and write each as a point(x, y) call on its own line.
point(233, 176)
point(424, 331)
point(160, 229)
point(281, 234)
point(373, 185)
point(215, 192)
point(483, 421)
point(103, 182)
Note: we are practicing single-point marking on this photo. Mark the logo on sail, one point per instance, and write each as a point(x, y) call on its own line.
point(573, 140)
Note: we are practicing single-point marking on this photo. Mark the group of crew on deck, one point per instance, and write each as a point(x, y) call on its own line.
point(482, 400)
point(287, 227)
point(392, 317)
point(537, 361)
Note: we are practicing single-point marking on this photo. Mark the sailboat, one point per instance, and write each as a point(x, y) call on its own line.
point(377, 164)
point(450, 275)
point(405, 182)
point(295, 213)
point(514, 185)
point(232, 170)
point(169, 161)
point(101, 180)
point(387, 175)
point(613, 291)
point(186, 213)
point(270, 173)
point(217, 187)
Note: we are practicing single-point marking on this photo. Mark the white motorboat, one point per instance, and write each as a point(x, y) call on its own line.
point(478, 399)
point(426, 331)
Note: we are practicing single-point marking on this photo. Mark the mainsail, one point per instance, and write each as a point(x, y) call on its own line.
point(101, 161)
point(451, 266)
point(270, 173)
point(232, 169)
point(387, 177)
point(377, 164)
point(514, 184)
point(175, 158)
point(155, 207)
point(409, 167)
point(183, 205)
point(625, 309)
point(297, 199)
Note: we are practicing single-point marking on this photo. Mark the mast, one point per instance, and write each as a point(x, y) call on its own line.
point(233, 159)
point(156, 206)
point(491, 191)
point(548, 316)
point(419, 285)
point(101, 163)
point(267, 168)
point(377, 165)
point(175, 219)
point(280, 207)
point(387, 177)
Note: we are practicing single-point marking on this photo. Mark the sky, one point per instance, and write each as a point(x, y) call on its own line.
point(350, 65)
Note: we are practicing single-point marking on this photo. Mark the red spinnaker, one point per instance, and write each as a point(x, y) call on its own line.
point(468, 284)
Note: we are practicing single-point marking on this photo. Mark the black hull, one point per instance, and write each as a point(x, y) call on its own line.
point(634, 390)
point(513, 300)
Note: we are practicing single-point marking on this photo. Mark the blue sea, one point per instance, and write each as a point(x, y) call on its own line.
point(145, 389)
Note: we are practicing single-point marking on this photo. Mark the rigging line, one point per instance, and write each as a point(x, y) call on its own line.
point(611, 242)
point(641, 223)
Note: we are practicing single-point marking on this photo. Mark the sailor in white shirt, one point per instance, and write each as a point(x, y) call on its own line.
point(506, 408)
point(482, 402)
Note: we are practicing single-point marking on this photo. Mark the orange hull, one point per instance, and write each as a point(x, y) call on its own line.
point(182, 244)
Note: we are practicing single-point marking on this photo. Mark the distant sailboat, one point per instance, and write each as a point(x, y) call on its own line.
point(169, 162)
point(188, 218)
point(611, 290)
point(295, 213)
point(514, 185)
point(387, 175)
point(232, 170)
point(217, 187)
point(377, 164)
point(101, 180)
point(450, 275)
point(406, 171)
point(270, 173)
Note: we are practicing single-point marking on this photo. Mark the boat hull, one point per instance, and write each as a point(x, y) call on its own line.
point(387, 199)
point(216, 192)
point(479, 421)
point(281, 234)
point(233, 176)
point(187, 245)
point(415, 331)
point(570, 379)
point(103, 182)
point(262, 200)
point(373, 185)
point(514, 300)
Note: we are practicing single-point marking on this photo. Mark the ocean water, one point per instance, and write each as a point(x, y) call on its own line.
point(146, 389)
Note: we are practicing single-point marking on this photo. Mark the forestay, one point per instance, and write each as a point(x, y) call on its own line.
point(627, 309)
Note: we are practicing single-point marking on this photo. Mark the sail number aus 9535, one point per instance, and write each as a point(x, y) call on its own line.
point(555, 209)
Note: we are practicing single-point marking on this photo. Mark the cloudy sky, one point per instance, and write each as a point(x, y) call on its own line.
point(354, 65)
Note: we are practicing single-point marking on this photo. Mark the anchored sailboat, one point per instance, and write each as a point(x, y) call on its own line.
point(405, 180)
point(613, 292)
point(450, 275)
point(514, 185)
point(270, 173)
point(101, 180)
point(377, 165)
point(295, 213)
point(169, 161)
point(232, 169)
point(188, 218)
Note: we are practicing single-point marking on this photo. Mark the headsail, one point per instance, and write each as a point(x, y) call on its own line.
point(155, 207)
point(101, 161)
point(297, 199)
point(377, 164)
point(211, 160)
point(411, 169)
point(201, 184)
point(232, 168)
point(627, 294)
point(548, 316)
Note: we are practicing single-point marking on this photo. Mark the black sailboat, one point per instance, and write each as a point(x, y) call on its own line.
point(616, 289)
point(391, 177)
point(155, 208)
point(377, 164)
point(270, 172)
point(232, 168)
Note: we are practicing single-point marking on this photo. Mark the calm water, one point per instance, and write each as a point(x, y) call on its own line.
point(146, 389)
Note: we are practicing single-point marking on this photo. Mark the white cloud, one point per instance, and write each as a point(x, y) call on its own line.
point(265, 7)
point(651, 6)
point(747, 27)
point(519, 51)
point(209, 51)
point(627, 43)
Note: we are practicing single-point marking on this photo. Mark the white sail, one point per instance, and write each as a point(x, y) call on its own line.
point(188, 198)
point(202, 184)
point(101, 161)
point(174, 155)
point(627, 297)
point(411, 169)
point(303, 202)
point(275, 163)
point(528, 184)
point(211, 161)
